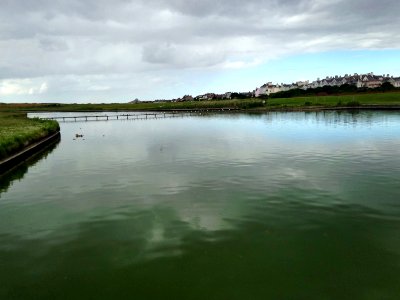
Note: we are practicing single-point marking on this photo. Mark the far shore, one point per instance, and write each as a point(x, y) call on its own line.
point(377, 101)
point(235, 110)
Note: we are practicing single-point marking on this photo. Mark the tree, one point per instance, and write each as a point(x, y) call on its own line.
point(387, 86)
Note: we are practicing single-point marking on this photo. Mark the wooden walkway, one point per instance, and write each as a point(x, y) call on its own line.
point(138, 116)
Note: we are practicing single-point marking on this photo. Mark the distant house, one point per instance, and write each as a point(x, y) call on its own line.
point(228, 95)
point(272, 89)
point(208, 96)
point(395, 82)
point(285, 87)
point(187, 98)
point(359, 80)
point(262, 90)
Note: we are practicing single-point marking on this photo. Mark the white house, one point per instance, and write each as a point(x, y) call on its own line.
point(261, 90)
point(395, 82)
point(272, 89)
point(365, 80)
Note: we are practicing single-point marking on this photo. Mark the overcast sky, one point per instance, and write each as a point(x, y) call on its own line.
point(116, 51)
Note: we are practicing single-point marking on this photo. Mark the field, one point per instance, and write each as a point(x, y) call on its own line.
point(378, 99)
point(238, 104)
point(17, 132)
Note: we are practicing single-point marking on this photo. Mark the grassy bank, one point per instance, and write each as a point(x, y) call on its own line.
point(240, 104)
point(378, 99)
point(17, 132)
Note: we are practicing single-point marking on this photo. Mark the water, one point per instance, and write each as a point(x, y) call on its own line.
point(273, 206)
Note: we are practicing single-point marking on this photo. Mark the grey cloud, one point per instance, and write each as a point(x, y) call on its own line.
point(45, 38)
point(229, 8)
point(180, 55)
point(53, 44)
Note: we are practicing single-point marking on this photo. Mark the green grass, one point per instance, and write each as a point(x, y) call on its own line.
point(382, 99)
point(241, 104)
point(337, 101)
point(17, 132)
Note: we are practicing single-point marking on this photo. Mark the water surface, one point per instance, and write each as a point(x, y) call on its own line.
point(270, 206)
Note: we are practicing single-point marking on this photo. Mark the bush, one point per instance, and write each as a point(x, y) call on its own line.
point(353, 104)
point(252, 104)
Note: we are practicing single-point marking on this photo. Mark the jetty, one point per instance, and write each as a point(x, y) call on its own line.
point(133, 116)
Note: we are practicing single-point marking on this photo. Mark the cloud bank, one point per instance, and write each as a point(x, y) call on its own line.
point(71, 48)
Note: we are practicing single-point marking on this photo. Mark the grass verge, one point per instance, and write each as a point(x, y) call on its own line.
point(17, 132)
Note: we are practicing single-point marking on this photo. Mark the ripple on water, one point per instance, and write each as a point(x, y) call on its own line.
point(226, 200)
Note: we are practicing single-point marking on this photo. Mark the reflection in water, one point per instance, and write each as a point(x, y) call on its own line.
point(319, 254)
point(18, 173)
point(278, 205)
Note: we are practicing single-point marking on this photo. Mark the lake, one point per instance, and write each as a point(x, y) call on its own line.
point(223, 206)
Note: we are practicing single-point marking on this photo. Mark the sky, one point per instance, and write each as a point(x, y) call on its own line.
point(116, 51)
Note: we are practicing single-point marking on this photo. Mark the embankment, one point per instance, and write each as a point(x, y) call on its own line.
point(21, 138)
point(31, 150)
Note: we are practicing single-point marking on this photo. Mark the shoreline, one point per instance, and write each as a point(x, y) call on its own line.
point(233, 109)
point(378, 101)
point(327, 108)
point(28, 152)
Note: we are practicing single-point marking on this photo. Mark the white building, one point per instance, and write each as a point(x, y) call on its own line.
point(361, 81)
point(261, 90)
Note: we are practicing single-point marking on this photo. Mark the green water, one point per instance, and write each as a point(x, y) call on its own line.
point(273, 206)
